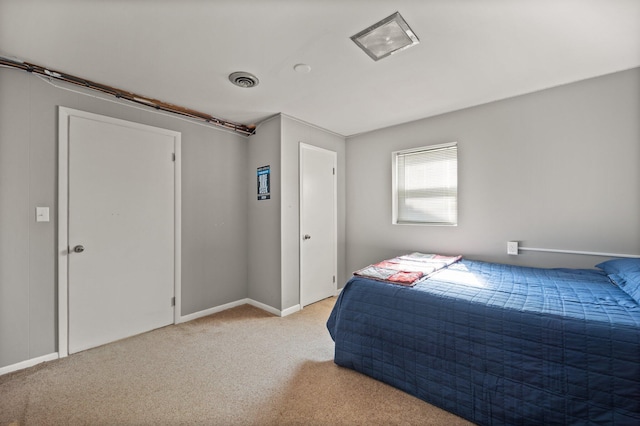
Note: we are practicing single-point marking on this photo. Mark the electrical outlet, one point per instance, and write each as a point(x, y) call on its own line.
point(512, 247)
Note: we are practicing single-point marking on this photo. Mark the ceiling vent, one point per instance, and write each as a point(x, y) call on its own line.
point(243, 79)
point(386, 37)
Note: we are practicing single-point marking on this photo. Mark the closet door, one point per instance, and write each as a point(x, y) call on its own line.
point(121, 197)
point(318, 216)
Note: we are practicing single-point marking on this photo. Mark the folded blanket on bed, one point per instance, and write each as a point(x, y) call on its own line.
point(408, 269)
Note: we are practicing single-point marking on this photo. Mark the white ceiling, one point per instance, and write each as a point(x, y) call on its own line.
point(470, 52)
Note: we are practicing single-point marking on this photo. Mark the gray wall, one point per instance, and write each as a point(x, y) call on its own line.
point(557, 169)
point(265, 284)
point(214, 215)
point(214, 211)
point(274, 246)
point(27, 248)
point(554, 169)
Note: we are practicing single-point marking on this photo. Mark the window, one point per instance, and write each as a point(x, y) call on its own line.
point(425, 185)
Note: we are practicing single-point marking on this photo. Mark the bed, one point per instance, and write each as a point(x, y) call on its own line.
point(501, 344)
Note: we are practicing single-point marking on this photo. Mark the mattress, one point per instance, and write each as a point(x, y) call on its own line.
point(499, 344)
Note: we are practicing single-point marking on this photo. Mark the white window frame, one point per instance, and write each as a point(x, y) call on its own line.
point(396, 220)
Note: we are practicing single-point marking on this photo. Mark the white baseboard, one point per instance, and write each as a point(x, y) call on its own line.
point(274, 311)
point(291, 310)
point(230, 305)
point(264, 307)
point(213, 310)
point(28, 363)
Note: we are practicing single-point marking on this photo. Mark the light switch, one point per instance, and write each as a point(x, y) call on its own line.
point(512, 247)
point(42, 214)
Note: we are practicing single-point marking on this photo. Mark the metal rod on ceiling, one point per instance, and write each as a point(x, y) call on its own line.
point(243, 129)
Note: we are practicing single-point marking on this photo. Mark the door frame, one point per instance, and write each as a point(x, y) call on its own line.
point(64, 115)
point(334, 154)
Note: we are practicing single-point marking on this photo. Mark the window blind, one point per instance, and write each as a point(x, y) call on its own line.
point(427, 185)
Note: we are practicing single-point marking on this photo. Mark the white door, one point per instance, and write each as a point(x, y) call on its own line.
point(120, 230)
point(318, 214)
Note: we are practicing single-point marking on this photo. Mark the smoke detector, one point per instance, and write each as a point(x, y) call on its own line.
point(243, 79)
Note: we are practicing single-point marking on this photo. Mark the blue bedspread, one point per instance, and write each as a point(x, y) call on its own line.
point(499, 344)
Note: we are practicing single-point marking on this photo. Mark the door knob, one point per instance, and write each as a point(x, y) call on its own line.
point(78, 249)
point(306, 237)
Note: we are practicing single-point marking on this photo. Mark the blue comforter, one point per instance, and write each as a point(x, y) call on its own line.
point(499, 344)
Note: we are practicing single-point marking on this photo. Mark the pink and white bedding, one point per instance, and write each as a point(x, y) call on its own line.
point(408, 269)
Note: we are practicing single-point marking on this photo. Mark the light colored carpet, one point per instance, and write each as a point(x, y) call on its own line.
point(242, 366)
